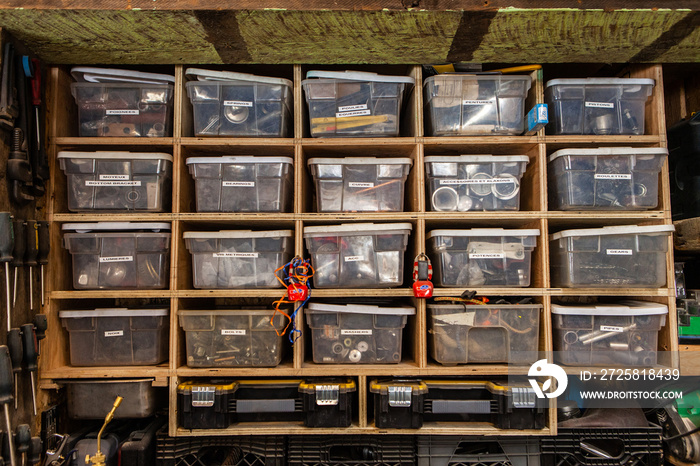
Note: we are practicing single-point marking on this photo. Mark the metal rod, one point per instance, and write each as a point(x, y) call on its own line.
point(10, 440)
point(7, 289)
point(14, 290)
point(31, 378)
point(42, 285)
point(31, 288)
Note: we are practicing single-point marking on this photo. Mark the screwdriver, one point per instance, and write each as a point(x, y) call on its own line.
point(14, 344)
point(29, 340)
point(40, 326)
point(23, 437)
point(17, 253)
point(7, 244)
point(44, 247)
point(31, 251)
point(36, 447)
point(6, 397)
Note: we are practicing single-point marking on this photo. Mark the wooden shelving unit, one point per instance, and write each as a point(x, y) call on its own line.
point(413, 144)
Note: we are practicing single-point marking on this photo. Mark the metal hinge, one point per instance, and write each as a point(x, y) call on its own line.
point(400, 396)
point(203, 397)
point(327, 395)
point(523, 397)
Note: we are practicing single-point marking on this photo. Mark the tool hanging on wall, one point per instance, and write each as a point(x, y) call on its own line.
point(8, 94)
point(6, 397)
point(44, 247)
point(422, 274)
point(30, 357)
point(295, 278)
point(14, 345)
point(30, 254)
point(7, 244)
point(40, 167)
point(17, 254)
point(19, 167)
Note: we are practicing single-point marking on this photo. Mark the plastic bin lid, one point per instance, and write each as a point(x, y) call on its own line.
point(616, 230)
point(238, 159)
point(101, 75)
point(600, 81)
point(227, 312)
point(115, 155)
point(610, 151)
point(462, 307)
point(313, 308)
point(113, 312)
point(186, 387)
point(361, 161)
point(350, 75)
point(483, 232)
point(236, 234)
point(477, 77)
point(418, 387)
point(359, 228)
point(623, 308)
point(211, 75)
point(115, 226)
point(477, 158)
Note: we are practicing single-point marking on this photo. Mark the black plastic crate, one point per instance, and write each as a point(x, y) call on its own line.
point(433, 450)
point(215, 451)
point(351, 450)
point(595, 446)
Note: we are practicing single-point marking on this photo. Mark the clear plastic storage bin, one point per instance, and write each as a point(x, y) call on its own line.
point(621, 178)
point(498, 333)
point(242, 183)
point(230, 338)
point(92, 398)
point(123, 109)
point(117, 337)
point(358, 255)
point(360, 184)
point(354, 334)
point(624, 334)
point(474, 182)
point(119, 255)
point(239, 104)
point(238, 259)
point(610, 257)
point(459, 105)
point(481, 257)
point(354, 103)
point(117, 181)
point(597, 105)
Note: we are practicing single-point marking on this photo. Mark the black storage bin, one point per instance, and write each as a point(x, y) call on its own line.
point(683, 153)
point(205, 405)
point(351, 450)
point(327, 402)
point(598, 446)
point(506, 407)
point(398, 404)
point(434, 450)
point(139, 449)
point(235, 451)
point(267, 401)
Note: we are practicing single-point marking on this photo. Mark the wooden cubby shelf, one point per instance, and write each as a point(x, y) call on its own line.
point(412, 143)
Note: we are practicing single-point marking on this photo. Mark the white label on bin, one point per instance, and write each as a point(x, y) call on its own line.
point(121, 112)
point(114, 177)
point(477, 102)
point(610, 328)
point(354, 113)
point(238, 184)
point(237, 103)
point(245, 255)
point(117, 259)
point(356, 332)
point(354, 258)
point(361, 185)
point(612, 176)
point(618, 252)
point(232, 332)
point(112, 183)
point(479, 181)
point(599, 105)
point(489, 255)
point(115, 333)
point(351, 108)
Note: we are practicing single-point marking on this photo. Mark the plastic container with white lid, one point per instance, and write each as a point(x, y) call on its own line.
point(610, 257)
point(119, 255)
point(360, 184)
point(242, 183)
point(117, 180)
point(481, 257)
point(464, 104)
point(238, 259)
point(622, 334)
point(356, 333)
point(239, 104)
point(230, 338)
point(117, 336)
point(474, 182)
point(606, 178)
point(354, 103)
point(358, 255)
point(97, 75)
point(600, 106)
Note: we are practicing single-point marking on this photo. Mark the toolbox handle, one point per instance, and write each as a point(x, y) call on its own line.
point(266, 406)
point(461, 406)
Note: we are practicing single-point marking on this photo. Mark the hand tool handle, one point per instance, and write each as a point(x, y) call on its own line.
point(44, 246)
point(19, 235)
point(36, 447)
point(32, 244)
point(14, 344)
point(36, 83)
point(40, 326)
point(29, 340)
point(7, 239)
point(5, 376)
point(22, 438)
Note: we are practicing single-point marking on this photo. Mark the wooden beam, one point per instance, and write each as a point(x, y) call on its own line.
point(687, 235)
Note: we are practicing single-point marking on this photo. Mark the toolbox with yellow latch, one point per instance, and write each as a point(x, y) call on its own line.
point(328, 402)
point(398, 404)
point(205, 404)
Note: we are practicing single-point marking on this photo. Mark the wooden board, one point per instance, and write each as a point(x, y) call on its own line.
point(687, 236)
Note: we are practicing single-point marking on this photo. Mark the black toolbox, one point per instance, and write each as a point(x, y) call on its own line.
point(139, 449)
point(267, 400)
point(204, 404)
point(327, 402)
point(398, 403)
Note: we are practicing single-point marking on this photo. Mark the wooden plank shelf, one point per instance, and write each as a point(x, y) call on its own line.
point(111, 141)
point(69, 372)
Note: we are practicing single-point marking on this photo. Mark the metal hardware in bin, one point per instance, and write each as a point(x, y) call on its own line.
point(93, 398)
point(398, 404)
